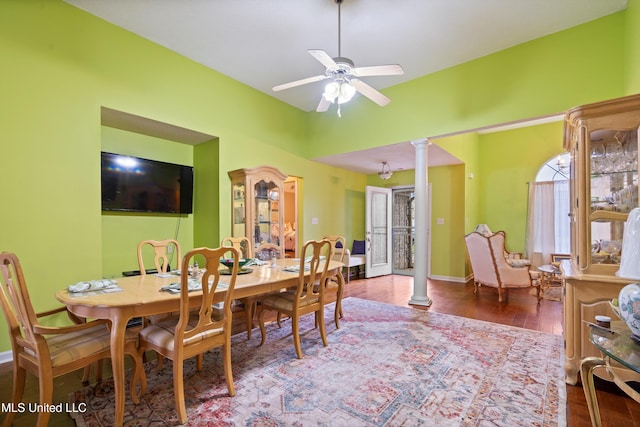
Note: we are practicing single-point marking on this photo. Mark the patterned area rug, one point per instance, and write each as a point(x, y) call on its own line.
point(385, 366)
point(551, 293)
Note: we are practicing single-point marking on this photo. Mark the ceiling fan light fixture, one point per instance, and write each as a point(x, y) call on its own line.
point(385, 173)
point(342, 91)
point(331, 91)
point(346, 93)
point(344, 77)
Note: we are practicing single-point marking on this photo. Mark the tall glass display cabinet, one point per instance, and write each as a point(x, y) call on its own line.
point(602, 139)
point(257, 200)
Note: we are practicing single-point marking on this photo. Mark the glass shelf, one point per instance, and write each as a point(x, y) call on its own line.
point(602, 139)
point(257, 214)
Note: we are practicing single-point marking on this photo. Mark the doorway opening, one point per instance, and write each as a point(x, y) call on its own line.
point(403, 231)
point(291, 217)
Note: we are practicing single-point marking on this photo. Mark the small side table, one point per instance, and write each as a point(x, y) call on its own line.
point(616, 345)
point(550, 274)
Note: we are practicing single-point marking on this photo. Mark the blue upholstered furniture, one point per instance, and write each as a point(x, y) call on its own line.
point(355, 258)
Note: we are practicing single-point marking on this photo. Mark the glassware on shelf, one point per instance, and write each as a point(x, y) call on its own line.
point(614, 158)
point(631, 154)
point(612, 248)
point(598, 154)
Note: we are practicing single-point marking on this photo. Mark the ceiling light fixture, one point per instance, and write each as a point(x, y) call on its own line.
point(343, 91)
point(339, 88)
point(385, 173)
point(344, 76)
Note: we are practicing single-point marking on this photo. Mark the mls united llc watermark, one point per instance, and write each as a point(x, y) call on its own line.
point(23, 407)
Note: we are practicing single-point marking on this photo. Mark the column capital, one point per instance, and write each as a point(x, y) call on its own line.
point(418, 143)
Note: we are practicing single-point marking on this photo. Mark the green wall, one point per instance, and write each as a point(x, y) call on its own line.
point(490, 187)
point(448, 194)
point(466, 148)
point(632, 47)
point(60, 65)
point(206, 168)
point(509, 160)
point(121, 232)
point(544, 76)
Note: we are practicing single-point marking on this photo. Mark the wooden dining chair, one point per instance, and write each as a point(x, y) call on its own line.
point(244, 245)
point(305, 297)
point(193, 333)
point(161, 253)
point(48, 352)
point(267, 251)
point(335, 284)
point(161, 263)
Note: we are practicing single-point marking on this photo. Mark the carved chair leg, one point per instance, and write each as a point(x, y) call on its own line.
point(228, 371)
point(295, 331)
point(86, 373)
point(160, 363)
point(248, 308)
point(19, 380)
point(263, 331)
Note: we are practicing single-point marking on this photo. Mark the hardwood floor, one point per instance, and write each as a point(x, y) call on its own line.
point(520, 309)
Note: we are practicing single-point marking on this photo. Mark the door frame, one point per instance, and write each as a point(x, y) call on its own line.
point(379, 269)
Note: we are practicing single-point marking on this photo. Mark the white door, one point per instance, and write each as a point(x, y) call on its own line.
point(378, 231)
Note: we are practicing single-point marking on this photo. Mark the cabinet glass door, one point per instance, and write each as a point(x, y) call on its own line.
point(266, 221)
point(239, 206)
point(613, 190)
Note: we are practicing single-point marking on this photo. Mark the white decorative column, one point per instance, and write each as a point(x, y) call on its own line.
point(421, 254)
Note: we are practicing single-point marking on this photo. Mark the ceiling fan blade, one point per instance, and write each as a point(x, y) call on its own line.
point(370, 92)
point(323, 105)
point(300, 82)
point(378, 70)
point(323, 57)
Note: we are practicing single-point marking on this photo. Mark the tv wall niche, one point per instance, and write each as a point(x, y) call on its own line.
point(133, 184)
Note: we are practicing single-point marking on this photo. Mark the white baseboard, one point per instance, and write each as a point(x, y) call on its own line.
point(6, 357)
point(449, 279)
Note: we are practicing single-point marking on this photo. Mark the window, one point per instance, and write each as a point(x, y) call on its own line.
point(548, 220)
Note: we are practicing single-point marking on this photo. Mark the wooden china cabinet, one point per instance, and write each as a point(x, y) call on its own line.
point(602, 139)
point(257, 200)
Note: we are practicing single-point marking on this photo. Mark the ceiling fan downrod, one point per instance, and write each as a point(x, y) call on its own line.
point(339, 29)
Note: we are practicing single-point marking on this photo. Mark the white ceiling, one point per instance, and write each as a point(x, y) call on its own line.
point(399, 156)
point(264, 43)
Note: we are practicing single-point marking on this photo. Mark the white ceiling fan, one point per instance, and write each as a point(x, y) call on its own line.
point(344, 77)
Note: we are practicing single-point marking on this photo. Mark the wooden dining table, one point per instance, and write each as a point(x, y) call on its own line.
point(141, 296)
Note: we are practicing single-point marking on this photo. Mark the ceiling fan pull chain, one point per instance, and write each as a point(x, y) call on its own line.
point(339, 115)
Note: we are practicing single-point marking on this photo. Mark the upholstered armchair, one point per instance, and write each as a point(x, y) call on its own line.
point(489, 262)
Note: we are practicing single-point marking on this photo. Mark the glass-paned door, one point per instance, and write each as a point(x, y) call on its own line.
point(403, 231)
point(378, 231)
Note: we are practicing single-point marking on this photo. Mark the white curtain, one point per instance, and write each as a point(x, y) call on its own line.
point(561, 213)
point(548, 221)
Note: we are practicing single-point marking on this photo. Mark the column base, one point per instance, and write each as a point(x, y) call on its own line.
point(424, 301)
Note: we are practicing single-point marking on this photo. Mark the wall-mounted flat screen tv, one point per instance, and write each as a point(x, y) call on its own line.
point(133, 184)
